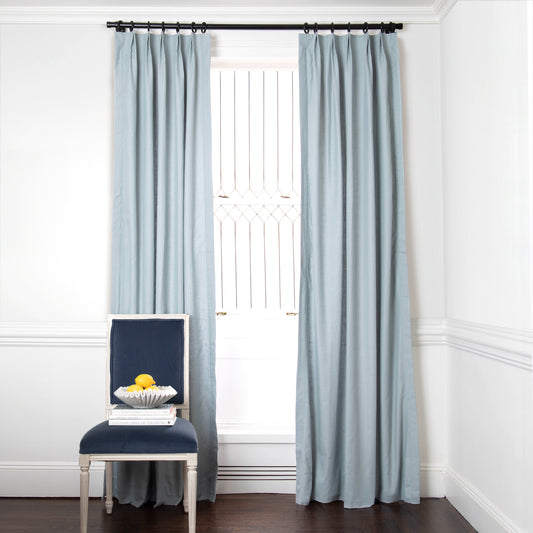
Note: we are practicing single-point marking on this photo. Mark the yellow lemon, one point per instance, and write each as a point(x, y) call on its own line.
point(133, 388)
point(152, 387)
point(144, 380)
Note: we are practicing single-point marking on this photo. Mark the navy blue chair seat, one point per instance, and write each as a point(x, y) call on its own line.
point(106, 439)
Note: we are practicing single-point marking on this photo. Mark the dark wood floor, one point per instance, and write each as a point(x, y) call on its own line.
point(243, 513)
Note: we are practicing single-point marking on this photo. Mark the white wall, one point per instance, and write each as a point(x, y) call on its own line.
point(56, 109)
point(467, 102)
point(486, 87)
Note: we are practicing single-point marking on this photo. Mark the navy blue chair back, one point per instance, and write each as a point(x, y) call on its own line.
point(147, 346)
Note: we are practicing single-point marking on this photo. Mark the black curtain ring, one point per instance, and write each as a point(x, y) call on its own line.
point(177, 27)
point(332, 27)
point(349, 28)
point(204, 27)
point(382, 26)
point(315, 28)
point(392, 27)
point(306, 27)
point(365, 27)
point(193, 27)
point(131, 25)
point(163, 27)
point(149, 26)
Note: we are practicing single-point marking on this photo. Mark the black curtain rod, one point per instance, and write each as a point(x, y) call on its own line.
point(384, 27)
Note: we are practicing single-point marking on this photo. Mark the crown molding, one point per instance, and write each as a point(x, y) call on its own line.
point(441, 8)
point(237, 14)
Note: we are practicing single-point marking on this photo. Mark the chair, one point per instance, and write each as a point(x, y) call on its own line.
point(158, 345)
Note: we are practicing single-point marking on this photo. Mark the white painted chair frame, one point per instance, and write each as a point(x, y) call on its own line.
point(191, 459)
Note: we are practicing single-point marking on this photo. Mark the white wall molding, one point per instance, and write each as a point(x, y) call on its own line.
point(61, 479)
point(45, 334)
point(428, 331)
point(69, 14)
point(441, 8)
point(470, 502)
point(506, 345)
point(432, 477)
point(250, 432)
point(510, 346)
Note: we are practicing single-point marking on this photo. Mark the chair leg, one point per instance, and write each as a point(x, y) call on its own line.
point(191, 474)
point(108, 487)
point(85, 463)
point(185, 489)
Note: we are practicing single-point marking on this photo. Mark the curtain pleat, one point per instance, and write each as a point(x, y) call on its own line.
point(356, 426)
point(162, 251)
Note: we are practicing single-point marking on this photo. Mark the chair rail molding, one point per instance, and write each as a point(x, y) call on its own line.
point(44, 334)
point(506, 345)
point(428, 332)
point(510, 346)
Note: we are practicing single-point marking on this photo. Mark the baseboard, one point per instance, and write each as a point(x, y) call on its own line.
point(432, 480)
point(47, 479)
point(476, 507)
point(61, 479)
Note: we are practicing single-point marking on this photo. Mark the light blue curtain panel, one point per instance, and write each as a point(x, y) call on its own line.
point(163, 248)
point(356, 425)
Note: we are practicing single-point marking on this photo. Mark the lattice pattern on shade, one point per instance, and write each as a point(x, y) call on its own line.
point(256, 179)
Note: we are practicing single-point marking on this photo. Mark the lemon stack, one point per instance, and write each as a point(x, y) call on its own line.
point(143, 382)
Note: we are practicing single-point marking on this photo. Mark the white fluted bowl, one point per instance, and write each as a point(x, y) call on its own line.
point(147, 398)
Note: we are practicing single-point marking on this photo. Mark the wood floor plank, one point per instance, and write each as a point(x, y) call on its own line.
point(235, 513)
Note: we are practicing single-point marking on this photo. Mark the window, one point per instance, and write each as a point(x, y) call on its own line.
point(256, 173)
point(256, 183)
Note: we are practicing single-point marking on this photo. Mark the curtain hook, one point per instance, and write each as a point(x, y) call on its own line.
point(193, 27)
point(163, 27)
point(306, 27)
point(131, 26)
point(315, 29)
point(204, 27)
point(149, 26)
point(177, 27)
point(365, 27)
point(332, 27)
point(349, 28)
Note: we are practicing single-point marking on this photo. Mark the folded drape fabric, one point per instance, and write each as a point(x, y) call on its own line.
point(356, 426)
point(163, 251)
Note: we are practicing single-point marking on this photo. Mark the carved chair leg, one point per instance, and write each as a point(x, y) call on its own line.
point(85, 464)
point(191, 474)
point(109, 487)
